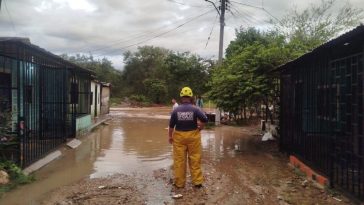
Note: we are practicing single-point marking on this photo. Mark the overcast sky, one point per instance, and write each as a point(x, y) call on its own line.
point(110, 27)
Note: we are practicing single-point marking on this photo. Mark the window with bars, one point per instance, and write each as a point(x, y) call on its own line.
point(81, 95)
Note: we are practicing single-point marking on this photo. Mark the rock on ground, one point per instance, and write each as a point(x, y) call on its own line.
point(257, 174)
point(118, 189)
point(4, 177)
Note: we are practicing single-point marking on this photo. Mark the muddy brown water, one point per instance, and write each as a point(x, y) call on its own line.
point(134, 143)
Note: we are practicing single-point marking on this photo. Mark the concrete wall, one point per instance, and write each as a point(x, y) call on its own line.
point(83, 124)
point(105, 100)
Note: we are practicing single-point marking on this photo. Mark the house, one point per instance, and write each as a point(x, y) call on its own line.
point(46, 97)
point(100, 97)
point(95, 98)
point(321, 111)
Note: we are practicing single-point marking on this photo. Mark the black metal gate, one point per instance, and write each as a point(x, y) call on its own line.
point(43, 101)
point(9, 144)
point(322, 119)
point(347, 109)
point(42, 117)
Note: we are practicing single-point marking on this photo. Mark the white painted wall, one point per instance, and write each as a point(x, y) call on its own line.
point(98, 99)
point(93, 83)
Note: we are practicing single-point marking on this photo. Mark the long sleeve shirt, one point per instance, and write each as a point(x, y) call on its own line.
point(184, 117)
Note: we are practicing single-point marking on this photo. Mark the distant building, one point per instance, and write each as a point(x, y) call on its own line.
point(321, 111)
point(95, 98)
point(105, 98)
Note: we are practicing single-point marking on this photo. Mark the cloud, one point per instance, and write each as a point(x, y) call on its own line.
point(82, 5)
point(108, 28)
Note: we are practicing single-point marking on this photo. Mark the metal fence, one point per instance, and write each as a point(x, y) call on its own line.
point(347, 109)
point(42, 102)
point(321, 118)
point(11, 150)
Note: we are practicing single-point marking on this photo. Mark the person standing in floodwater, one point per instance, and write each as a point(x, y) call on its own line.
point(175, 104)
point(199, 102)
point(184, 133)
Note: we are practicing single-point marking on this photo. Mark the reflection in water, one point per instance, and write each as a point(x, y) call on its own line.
point(137, 145)
point(225, 142)
point(135, 141)
point(71, 167)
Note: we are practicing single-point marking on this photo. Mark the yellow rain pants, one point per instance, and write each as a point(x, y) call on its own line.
point(187, 144)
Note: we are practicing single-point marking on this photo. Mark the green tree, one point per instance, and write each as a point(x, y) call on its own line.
point(146, 62)
point(156, 90)
point(103, 69)
point(317, 24)
point(245, 79)
point(166, 70)
point(186, 69)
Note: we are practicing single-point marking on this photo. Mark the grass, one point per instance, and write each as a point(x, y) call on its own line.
point(16, 176)
point(115, 101)
point(298, 172)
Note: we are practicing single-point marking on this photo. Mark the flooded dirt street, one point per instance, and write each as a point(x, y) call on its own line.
point(129, 161)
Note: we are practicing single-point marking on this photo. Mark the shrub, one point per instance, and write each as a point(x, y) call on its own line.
point(139, 98)
point(16, 176)
point(115, 101)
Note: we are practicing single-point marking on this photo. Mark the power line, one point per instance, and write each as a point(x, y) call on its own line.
point(248, 5)
point(242, 18)
point(221, 13)
point(247, 18)
point(250, 16)
point(213, 3)
point(120, 41)
point(161, 34)
point(271, 15)
point(142, 34)
point(257, 7)
point(213, 25)
point(129, 38)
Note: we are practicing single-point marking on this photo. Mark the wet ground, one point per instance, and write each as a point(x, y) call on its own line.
point(128, 161)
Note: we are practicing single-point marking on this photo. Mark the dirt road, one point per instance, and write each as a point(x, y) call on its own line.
point(238, 169)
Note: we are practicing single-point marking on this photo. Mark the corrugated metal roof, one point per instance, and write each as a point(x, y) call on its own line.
point(26, 42)
point(23, 39)
point(358, 31)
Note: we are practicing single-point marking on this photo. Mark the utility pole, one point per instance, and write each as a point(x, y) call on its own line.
point(221, 12)
point(222, 25)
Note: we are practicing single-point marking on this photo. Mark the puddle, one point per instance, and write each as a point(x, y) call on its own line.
point(71, 167)
point(136, 146)
point(227, 142)
point(134, 143)
point(127, 145)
